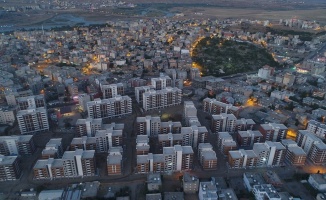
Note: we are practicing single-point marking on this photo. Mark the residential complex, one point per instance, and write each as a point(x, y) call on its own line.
point(109, 108)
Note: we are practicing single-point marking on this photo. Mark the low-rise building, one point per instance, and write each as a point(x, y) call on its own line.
point(190, 183)
point(154, 182)
point(318, 181)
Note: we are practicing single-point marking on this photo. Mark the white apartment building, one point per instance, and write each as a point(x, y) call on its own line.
point(265, 72)
point(7, 116)
point(79, 163)
point(16, 145)
point(176, 158)
point(161, 98)
point(112, 90)
point(106, 139)
point(317, 128)
point(27, 102)
point(11, 96)
point(148, 125)
point(313, 146)
point(88, 126)
point(109, 108)
point(215, 107)
point(161, 82)
point(269, 153)
point(33, 120)
point(82, 100)
point(224, 122)
point(139, 92)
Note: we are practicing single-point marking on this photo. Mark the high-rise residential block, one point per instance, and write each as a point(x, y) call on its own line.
point(9, 168)
point(17, 145)
point(317, 128)
point(28, 102)
point(114, 161)
point(112, 90)
point(225, 143)
point(156, 99)
point(109, 108)
point(33, 120)
point(313, 146)
point(215, 107)
point(53, 149)
point(295, 155)
point(223, 122)
point(242, 158)
point(273, 132)
point(248, 138)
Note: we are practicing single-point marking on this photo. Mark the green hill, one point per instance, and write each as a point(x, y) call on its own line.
point(217, 55)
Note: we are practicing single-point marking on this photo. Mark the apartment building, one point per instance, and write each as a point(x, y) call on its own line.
point(170, 127)
point(7, 115)
point(88, 127)
point(48, 169)
point(273, 132)
point(242, 159)
point(9, 168)
point(295, 155)
point(169, 140)
point(215, 107)
point(176, 158)
point(143, 163)
point(33, 120)
point(189, 109)
point(35, 101)
point(156, 99)
point(150, 126)
point(223, 122)
point(139, 91)
point(53, 149)
point(317, 128)
point(262, 151)
point(112, 90)
point(11, 96)
point(114, 161)
point(245, 124)
point(142, 145)
point(207, 156)
point(109, 108)
point(161, 82)
point(108, 138)
point(269, 153)
point(84, 142)
point(17, 145)
point(313, 146)
point(225, 143)
point(248, 138)
point(79, 163)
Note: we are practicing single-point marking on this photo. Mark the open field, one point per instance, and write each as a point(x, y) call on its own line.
point(259, 14)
